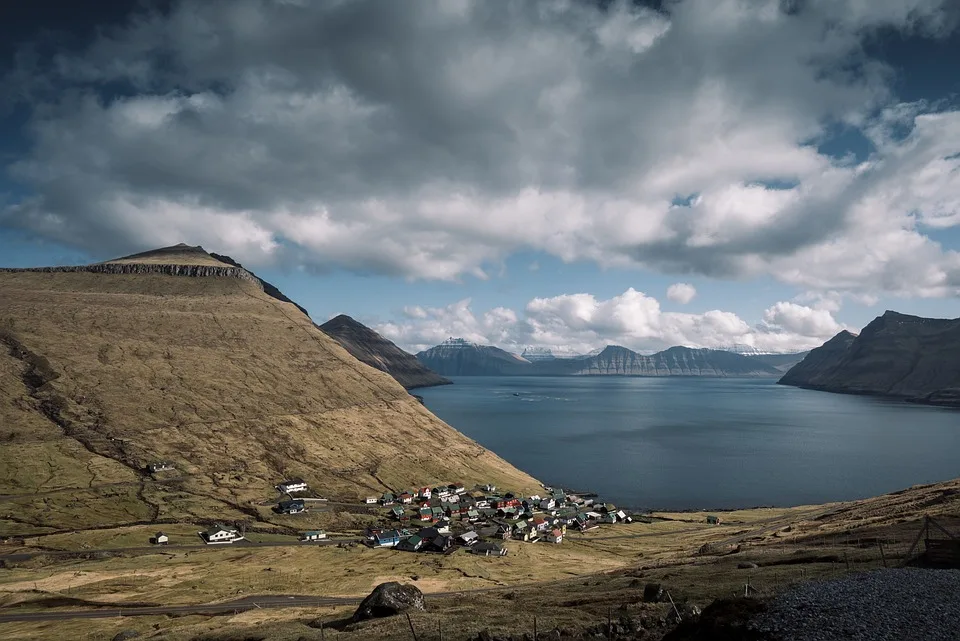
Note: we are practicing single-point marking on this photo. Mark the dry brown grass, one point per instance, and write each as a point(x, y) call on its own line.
point(237, 388)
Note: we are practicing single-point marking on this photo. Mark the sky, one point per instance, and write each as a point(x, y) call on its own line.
point(526, 173)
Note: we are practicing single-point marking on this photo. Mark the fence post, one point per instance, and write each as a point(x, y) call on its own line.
point(883, 557)
point(535, 637)
point(439, 630)
point(412, 631)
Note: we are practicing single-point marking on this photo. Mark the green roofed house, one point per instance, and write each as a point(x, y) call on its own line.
point(397, 512)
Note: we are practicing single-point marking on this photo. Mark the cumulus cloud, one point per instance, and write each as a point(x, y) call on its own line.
point(681, 293)
point(433, 139)
point(581, 323)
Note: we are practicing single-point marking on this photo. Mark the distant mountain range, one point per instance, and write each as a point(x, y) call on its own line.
point(373, 349)
point(458, 357)
point(896, 355)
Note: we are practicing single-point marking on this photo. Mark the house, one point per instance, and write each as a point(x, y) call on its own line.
point(459, 488)
point(443, 526)
point(291, 486)
point(621, 515)
point(441, 543)
point(539, 524)
point(396, 512)
point(482, 503)
point(425, 493)
point(713, 520)
point(293, 506)
point(220, 534)
point(426, 514)
point(313, 535)
point(387, 499)
point(469, 538)
point(489, 488)
point(555, 536)
point(161, 539)
point(386, 539)
point(488, 531)
point(411, 544)
point(160, 466)
point(438, 512)
point(473, 516)
point(548, 503)
point(371, 500)
point(488, 548)
point(406, 497)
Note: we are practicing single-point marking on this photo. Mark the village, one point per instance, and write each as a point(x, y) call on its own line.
point(445, 518)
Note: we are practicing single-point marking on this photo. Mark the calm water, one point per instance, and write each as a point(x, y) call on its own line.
point(683, 443)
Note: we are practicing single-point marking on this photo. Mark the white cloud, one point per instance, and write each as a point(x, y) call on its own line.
point(681, 293)
point(580, 323)
point(433, 139)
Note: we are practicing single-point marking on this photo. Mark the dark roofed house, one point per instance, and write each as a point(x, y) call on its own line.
point(488, 548)
point(411, 544)
point(293, 506)
point(441, 543)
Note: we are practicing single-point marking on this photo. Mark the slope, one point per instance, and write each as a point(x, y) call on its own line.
point(896, 355)
point(104, 372)
point(373, 349)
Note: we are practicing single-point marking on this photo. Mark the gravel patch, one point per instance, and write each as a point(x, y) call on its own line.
point(882, 605)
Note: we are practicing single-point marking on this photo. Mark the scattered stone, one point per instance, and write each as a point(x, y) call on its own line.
point(882, 605)
point(652, 593)
point(747, 565)
point(388, 599)
point(124, 635)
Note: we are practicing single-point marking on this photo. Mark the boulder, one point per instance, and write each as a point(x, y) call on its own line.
point(747, 565)
point(125, 635)
point(652, 593)
point(388, 599)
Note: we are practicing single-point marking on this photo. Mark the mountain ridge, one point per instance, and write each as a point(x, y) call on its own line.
point(896, 355)
point(373, 349)
point(456, 357)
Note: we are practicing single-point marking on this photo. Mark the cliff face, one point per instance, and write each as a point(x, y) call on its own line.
point(457, 357)
point(896, 355)
point(676, 361)
point(373, 349)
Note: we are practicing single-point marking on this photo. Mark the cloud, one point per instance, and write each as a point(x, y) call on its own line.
point(681, 293)
point(432, 140)
point(580, 323)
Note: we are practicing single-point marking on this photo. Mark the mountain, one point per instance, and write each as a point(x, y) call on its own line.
point(675, 361)
point(457, 357)
point(373, 349)
point(177, 356)
point(896, 355)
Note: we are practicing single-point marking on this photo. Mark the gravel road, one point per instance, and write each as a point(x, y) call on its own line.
point(883, 605)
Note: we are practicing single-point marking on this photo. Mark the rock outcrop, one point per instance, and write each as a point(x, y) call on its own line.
point(388, 599)
point(193, 271)
point(373, 349)
point(896, 355)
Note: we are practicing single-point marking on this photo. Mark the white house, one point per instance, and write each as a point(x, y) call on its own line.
point(555, 536)
point(371, 500)
point(161, 539)
point(293, 485)
point(313, 535)
point(469, 538)
point(220, 534)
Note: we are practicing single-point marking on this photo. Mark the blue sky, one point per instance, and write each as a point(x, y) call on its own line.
point(524, 174)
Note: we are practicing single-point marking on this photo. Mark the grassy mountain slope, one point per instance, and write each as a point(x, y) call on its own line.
point(101, 374)
point(373, 349)
point(895, 355)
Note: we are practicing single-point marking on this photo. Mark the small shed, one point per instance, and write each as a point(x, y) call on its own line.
point(713, 519)
point(161, 539)
point(313, 535)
